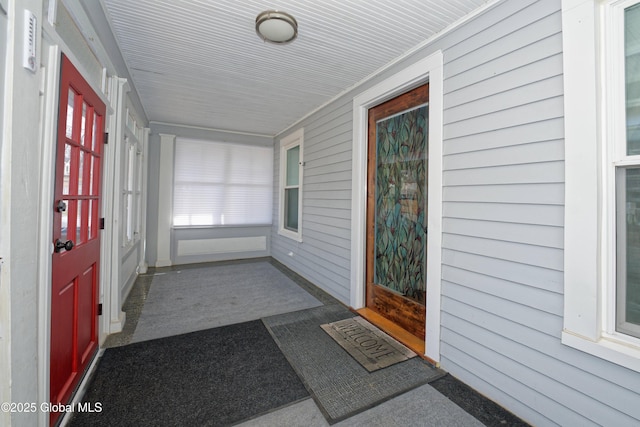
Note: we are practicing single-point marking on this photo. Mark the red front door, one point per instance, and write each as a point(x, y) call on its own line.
point(76, 237)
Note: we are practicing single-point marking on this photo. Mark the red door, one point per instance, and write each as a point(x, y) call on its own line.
point(76, 238)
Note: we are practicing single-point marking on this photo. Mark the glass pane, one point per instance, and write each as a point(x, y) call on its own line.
point(67, 169)
point(629, 250)
point(79, 236)
point(95, 131)
point(293, 160)
point(401, 204)
point(632, 79)
point(65, 222)
point(90, 221)
point(69, 125)
point(291, 209)
point(80, 172)
point(83, 123)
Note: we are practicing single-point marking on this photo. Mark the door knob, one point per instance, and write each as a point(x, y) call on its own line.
point(60, 245)
point(61, 206)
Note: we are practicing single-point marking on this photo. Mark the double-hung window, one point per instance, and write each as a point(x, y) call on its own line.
point(624, 63)
point(602, 178)
point(290, 221)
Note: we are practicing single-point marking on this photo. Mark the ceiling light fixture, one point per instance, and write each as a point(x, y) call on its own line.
point(276, 27)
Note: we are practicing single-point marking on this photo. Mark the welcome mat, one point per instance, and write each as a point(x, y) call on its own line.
point(338, 383)
point(215, 377)
point(371, 347)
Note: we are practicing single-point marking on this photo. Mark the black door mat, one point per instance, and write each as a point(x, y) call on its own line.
point(371, 347)
point(339, 384)
point(214, 377)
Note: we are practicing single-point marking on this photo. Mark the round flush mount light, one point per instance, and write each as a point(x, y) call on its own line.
point(276, 27)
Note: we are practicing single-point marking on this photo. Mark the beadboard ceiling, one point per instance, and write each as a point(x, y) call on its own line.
point(200, 62)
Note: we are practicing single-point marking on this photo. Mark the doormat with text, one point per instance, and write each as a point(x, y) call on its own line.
point(371, 347)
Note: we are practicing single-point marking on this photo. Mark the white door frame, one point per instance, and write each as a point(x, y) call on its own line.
point(429, 70)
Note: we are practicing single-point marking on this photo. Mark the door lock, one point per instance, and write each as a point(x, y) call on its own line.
point(60, 245)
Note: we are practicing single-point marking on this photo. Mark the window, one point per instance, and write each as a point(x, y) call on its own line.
point(602, 172)
point(291, 185)
point(132, 182)
point(218, 183)
point(627, 168)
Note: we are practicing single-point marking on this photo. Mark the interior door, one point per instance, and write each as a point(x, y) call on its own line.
point(76, 239)
point(397, 191)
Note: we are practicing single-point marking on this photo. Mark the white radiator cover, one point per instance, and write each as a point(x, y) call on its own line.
point(221, 245)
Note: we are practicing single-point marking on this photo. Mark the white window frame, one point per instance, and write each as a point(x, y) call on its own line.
point(287, 143)
point(592, 82)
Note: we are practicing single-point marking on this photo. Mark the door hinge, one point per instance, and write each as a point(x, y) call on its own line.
point(101, 223)
point(106, 137)
point(100, 309)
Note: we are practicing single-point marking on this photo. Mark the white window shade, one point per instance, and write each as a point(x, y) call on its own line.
point(222, 184)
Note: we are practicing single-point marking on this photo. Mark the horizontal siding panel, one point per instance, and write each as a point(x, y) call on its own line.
point(580, 363)
point(523, 377)
point(322, 256)
point(326, 150)
point(498, 387)
point(544, 194)
point(541, 89)
point(535, 173)
point(539, 235)
point(526, 254)
point(328, 177)
point(543, 130)
point(545, 151)
point(547, 67)
point(522, 214)
point(313, 237)
point(343, 154)
point(327, 230)
point(330, 221)
point(538, 299)
point(310, 202)
point(331, 132)
point(529, 275)
point(331, 186)
point(534, 112)
point(326, 212)
point(515, 20)
point(508, 51)
point(511, 311)
point(496, 68)
point(563, 383)
point(328, 195)
point(320, 168)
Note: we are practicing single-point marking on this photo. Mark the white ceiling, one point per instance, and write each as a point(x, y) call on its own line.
point(200, 62)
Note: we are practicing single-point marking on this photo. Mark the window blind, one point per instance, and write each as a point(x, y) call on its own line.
point(217, 183)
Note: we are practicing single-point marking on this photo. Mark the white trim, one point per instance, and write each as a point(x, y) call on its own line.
point(428, 69)
point(262, 135)
point(286, 143)
point(589, 242)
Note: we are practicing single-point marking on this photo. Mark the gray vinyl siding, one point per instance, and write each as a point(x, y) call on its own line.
point(503, 219)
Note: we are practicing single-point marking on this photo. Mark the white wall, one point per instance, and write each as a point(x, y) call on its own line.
point(19, 194)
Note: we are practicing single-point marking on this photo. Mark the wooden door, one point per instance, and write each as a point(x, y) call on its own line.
point(397, 191)
point(76, 236)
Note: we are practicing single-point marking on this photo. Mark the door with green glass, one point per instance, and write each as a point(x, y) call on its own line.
point(397, 189)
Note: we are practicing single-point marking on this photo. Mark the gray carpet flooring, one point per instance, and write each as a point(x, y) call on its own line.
point(201, 298)
point(338, 383)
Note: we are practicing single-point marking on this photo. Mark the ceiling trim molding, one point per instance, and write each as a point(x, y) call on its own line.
point(482, 9)
point(234, 132)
